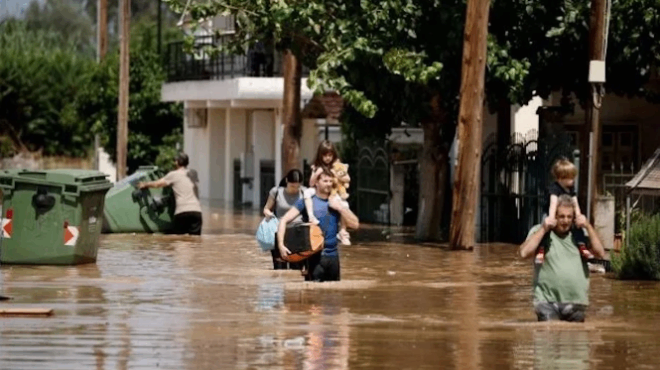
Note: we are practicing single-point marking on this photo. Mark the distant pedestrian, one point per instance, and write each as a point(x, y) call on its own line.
point(188, 211)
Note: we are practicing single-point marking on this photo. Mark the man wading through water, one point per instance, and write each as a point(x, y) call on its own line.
point(322, 266)
point(188, 211)
point(561, 283)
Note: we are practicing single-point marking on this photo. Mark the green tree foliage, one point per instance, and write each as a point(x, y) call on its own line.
point(553, 38)
point(40, 76)
point(151, 123)
point(66, 18)
point(54, 96)
point(75, 20)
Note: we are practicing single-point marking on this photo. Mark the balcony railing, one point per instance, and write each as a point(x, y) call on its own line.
point(181, 66)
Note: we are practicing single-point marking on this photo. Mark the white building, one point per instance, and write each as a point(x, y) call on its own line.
point(233, 118)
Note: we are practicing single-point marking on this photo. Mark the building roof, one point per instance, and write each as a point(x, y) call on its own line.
point(648, 178)
point(328, 105)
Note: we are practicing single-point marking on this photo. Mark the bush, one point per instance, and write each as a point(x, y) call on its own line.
point(40, 77)
point(640, 255)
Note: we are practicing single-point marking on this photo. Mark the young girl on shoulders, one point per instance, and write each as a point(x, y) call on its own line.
point(326, 157)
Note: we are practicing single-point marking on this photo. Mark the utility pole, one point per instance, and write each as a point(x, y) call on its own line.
point(101, 30)
point(291, 119)
point(122, 111)
point(101, 50)
point(470, 126)
point(598, 29)
point(160, 22)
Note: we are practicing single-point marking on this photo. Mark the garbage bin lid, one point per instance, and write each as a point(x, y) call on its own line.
point(133, 179)
point(148, 168)
point(80, 178)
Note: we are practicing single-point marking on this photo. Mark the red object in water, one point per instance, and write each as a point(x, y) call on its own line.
point(10, 213)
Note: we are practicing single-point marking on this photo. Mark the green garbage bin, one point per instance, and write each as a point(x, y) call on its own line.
point(51, 217)
point(131, 210)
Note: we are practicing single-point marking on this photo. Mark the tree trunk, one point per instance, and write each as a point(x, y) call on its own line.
point(470, 126)
point(433, 174)
point(291, 118)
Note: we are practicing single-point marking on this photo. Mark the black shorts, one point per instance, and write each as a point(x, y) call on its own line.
point(188, 223)
point(323, 268)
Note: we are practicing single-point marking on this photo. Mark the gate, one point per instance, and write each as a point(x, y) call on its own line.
point(514, 182)
point(373, 184)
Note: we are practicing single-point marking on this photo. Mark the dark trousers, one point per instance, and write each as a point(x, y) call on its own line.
point(323, 268)
point(560, 311)
point(188, 223)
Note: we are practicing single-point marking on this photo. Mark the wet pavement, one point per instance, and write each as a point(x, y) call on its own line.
point(165, 302)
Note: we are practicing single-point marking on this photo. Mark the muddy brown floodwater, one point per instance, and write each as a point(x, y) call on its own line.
point(163, 302)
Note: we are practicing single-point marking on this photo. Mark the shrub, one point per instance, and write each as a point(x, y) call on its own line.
point(640, 255)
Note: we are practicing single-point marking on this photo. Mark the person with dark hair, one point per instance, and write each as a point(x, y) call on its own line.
point(280, 199)
point(188, 211)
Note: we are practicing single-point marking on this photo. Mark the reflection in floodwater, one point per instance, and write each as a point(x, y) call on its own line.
point(214, 303)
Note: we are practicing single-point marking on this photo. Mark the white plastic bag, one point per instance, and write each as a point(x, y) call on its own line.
point(266, 233)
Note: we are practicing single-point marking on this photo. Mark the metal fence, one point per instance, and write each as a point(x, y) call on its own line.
point(514, 179)
point(373, 184)
point(614, 182)
point(201, 64)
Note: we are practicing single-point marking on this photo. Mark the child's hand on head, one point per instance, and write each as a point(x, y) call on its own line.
point(581, 221)
point(549, 223)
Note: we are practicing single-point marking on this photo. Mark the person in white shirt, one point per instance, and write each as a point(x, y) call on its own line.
point(188, 211)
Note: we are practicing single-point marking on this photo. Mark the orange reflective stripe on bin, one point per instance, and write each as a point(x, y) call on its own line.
point(6, 228)
point(71, 235)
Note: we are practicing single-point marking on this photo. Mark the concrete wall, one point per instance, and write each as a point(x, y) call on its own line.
point(216, 141)
point(238, 126)
point(237, 131)
point(525, 119)
point(309, 140)
point(264, 147)
point(196, 145)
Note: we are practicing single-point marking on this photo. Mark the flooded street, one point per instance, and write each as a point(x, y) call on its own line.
point(215, 303)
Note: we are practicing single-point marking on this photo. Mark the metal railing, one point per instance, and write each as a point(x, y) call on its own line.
point(200, 65)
